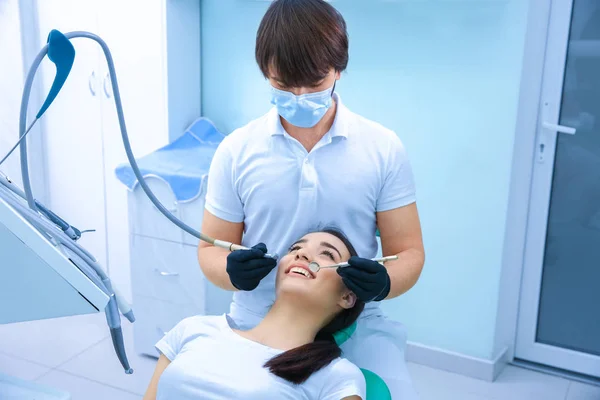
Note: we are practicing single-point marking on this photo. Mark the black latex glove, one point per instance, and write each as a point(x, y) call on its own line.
point(368, 279)
point(246, 268)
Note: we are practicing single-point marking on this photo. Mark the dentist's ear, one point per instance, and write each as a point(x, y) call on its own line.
point(348, 300)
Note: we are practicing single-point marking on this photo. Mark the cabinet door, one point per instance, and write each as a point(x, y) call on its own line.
point(135, 32)
point(168, 271)
point(72, 126)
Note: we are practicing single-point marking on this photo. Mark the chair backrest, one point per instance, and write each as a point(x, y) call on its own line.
point(376, 387)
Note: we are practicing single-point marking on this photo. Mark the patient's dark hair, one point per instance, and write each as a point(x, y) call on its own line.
point(302, 40)
point(298, 364)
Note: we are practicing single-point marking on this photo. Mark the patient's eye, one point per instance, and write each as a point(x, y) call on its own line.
point(328, 254)
point(294, 248)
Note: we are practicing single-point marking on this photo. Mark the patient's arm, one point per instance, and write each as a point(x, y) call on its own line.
point(163, 363)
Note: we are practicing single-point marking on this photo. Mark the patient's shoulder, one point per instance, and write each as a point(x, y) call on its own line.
point(200, 325)
point(340, 379)
point(344, 368)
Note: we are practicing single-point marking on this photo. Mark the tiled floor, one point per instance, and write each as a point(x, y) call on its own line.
point(75, 354)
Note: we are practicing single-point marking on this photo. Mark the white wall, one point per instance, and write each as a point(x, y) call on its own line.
point(11, 84)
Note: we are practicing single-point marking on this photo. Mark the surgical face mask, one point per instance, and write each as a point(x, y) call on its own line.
point(304, 111)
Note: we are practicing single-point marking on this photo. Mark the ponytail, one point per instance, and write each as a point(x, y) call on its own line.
point(298, 364)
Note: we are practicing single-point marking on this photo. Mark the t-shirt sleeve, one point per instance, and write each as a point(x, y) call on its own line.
point(170, 345)
point(222, 199)
point(398, 188)
point(344, 380)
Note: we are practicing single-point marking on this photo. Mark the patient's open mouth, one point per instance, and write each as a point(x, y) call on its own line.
point(301, 270)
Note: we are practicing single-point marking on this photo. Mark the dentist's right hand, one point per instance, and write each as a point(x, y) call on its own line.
point(246, 268)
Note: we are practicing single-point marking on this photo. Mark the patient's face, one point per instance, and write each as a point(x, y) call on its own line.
point(295, 278)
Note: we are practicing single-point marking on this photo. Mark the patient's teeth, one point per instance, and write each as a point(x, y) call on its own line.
point(301, 271)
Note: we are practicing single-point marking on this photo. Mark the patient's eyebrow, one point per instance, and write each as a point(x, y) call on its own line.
point(329, 245)
point(297, 242)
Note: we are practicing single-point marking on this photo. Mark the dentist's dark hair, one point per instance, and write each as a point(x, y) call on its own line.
point(298, 364)
point(301, 40)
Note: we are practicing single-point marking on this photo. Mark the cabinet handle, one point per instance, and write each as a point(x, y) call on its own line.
point(163, 273)
point(92, 83)
point(106, 81)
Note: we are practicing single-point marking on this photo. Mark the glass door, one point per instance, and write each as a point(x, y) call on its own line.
point(559, 319)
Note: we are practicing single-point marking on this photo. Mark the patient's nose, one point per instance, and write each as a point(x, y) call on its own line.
point(301, 254)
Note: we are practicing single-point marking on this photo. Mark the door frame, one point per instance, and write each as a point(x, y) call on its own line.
point(547, 107)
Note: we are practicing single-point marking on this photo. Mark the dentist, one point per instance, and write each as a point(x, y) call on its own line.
point(311, 161)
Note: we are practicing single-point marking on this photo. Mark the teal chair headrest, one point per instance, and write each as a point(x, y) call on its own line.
point(343, 335)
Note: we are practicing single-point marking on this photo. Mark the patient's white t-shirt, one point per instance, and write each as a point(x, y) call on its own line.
point(209, 361)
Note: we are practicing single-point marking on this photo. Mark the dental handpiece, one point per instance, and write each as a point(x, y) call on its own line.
point(232, 247)
point(315, 267)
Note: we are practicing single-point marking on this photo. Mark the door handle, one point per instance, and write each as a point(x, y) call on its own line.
point(559, 128)
point(541, 157)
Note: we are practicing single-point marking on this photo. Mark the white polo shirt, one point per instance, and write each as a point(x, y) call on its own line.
point(263, 177)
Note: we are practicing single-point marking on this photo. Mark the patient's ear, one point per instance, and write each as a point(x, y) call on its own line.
point(348, 300)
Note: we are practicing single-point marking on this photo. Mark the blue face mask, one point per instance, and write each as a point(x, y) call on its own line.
point(304, 111)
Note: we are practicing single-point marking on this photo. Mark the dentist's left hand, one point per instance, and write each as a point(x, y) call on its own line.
point(246, 268)
point(368, 279)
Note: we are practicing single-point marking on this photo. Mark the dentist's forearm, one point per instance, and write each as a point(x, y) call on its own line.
point(405, 271)
point(213, 262)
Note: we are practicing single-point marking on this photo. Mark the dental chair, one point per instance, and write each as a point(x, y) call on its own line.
point(376, 387)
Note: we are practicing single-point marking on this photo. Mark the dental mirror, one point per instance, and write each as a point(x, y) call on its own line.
point(315, 267)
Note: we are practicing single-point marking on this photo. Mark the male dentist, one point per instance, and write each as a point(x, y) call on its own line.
point(311, 161)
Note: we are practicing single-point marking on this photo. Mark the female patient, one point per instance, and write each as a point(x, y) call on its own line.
point(291, 354)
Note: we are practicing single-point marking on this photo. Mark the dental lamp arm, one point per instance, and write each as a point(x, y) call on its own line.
point(140, 178)
point(61, 52)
